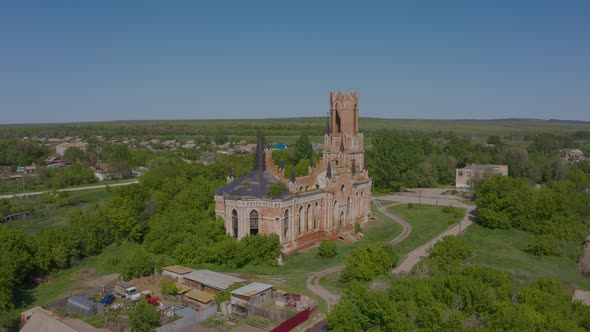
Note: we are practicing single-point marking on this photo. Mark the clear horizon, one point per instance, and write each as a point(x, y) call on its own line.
point(68, 62)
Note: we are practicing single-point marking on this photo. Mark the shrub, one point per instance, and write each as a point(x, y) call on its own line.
point(327, 249)
point(366, 262)
point(167, 287)
point(357, 228)
point(276, 189)
point(449, 252)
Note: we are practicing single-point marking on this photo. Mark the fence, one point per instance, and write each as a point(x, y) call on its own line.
point(59, 304)
point(294, 321)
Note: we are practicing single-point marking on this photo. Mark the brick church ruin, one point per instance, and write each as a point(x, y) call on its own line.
point(324, 204)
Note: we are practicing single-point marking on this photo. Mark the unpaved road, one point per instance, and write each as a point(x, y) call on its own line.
point(100, 186)
point(422, 251)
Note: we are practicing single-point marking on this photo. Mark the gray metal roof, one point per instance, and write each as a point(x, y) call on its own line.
point(252, 289)
point(254, 184)
point(475, 166)
point(213, 279)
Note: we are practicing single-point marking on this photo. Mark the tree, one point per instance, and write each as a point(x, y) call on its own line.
point(449, 252)
point(327, 249)
point(303, 148)
point(366, 262)
point(394, 159)
point(144, 317)
point(138, 264)
point(74, 154)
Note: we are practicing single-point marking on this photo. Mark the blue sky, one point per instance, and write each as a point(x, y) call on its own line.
point(69, 61)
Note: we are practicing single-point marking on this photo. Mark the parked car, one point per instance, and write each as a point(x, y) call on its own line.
point(107, 299)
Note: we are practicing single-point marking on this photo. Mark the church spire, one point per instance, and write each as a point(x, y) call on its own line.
point(259, 162)
point(293, 178)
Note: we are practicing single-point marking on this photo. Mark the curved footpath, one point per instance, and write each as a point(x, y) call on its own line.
point(417, 254)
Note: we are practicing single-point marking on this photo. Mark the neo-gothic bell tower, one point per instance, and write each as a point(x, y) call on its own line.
point(342, 134)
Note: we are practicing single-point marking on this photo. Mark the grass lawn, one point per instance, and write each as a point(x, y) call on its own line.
point(427, 221)
point(71, 280)
point(504, 250)
point(49, 215)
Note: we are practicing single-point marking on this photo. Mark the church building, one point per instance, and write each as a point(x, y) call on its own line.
point(324, 204)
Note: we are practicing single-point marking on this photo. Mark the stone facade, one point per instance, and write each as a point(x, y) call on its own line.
point(325, 204)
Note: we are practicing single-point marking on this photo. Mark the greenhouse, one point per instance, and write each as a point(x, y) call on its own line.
point(85, 307)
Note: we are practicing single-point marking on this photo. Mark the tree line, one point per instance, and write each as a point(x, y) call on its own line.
point(402, 159)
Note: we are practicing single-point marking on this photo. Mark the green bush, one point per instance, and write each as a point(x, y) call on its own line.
point(276, 189)
point(366, 262)
point(327, 249)
point(357, 228)
point(168, 287)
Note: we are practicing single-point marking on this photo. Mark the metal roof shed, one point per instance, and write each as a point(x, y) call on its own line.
point(211, 279)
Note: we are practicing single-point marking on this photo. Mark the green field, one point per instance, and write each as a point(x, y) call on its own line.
point(427, 221)
point(48, 215)
point(511, 129)
point(504, 250)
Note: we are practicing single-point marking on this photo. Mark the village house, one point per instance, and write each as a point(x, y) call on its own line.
point(574, 155)
point(469, 175)
point(254, 293)
point(324, 204)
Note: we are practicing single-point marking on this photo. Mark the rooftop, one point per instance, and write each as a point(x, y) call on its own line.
point(479, 166)
point(252, 289)
point(178, 269)
point(213, 279)
point(200, 296)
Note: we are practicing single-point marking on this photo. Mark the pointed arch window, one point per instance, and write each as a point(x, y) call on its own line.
point(234, 223)
point(254, 222)
point(286, 225)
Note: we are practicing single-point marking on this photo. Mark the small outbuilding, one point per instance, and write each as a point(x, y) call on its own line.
point(176, 272)
point(210, 281)
point(197, 299)
point(254, 293)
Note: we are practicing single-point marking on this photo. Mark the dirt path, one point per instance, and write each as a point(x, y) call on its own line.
point(422, 251)
point(100, 186)
point(313, 281)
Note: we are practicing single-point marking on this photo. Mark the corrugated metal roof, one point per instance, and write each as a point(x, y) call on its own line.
point(200, 296)
point(178, 269)
point(252, 289)
point(181, 289)
point(213, 279)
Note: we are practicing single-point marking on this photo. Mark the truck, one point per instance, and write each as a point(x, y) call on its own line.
point(127, 291)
